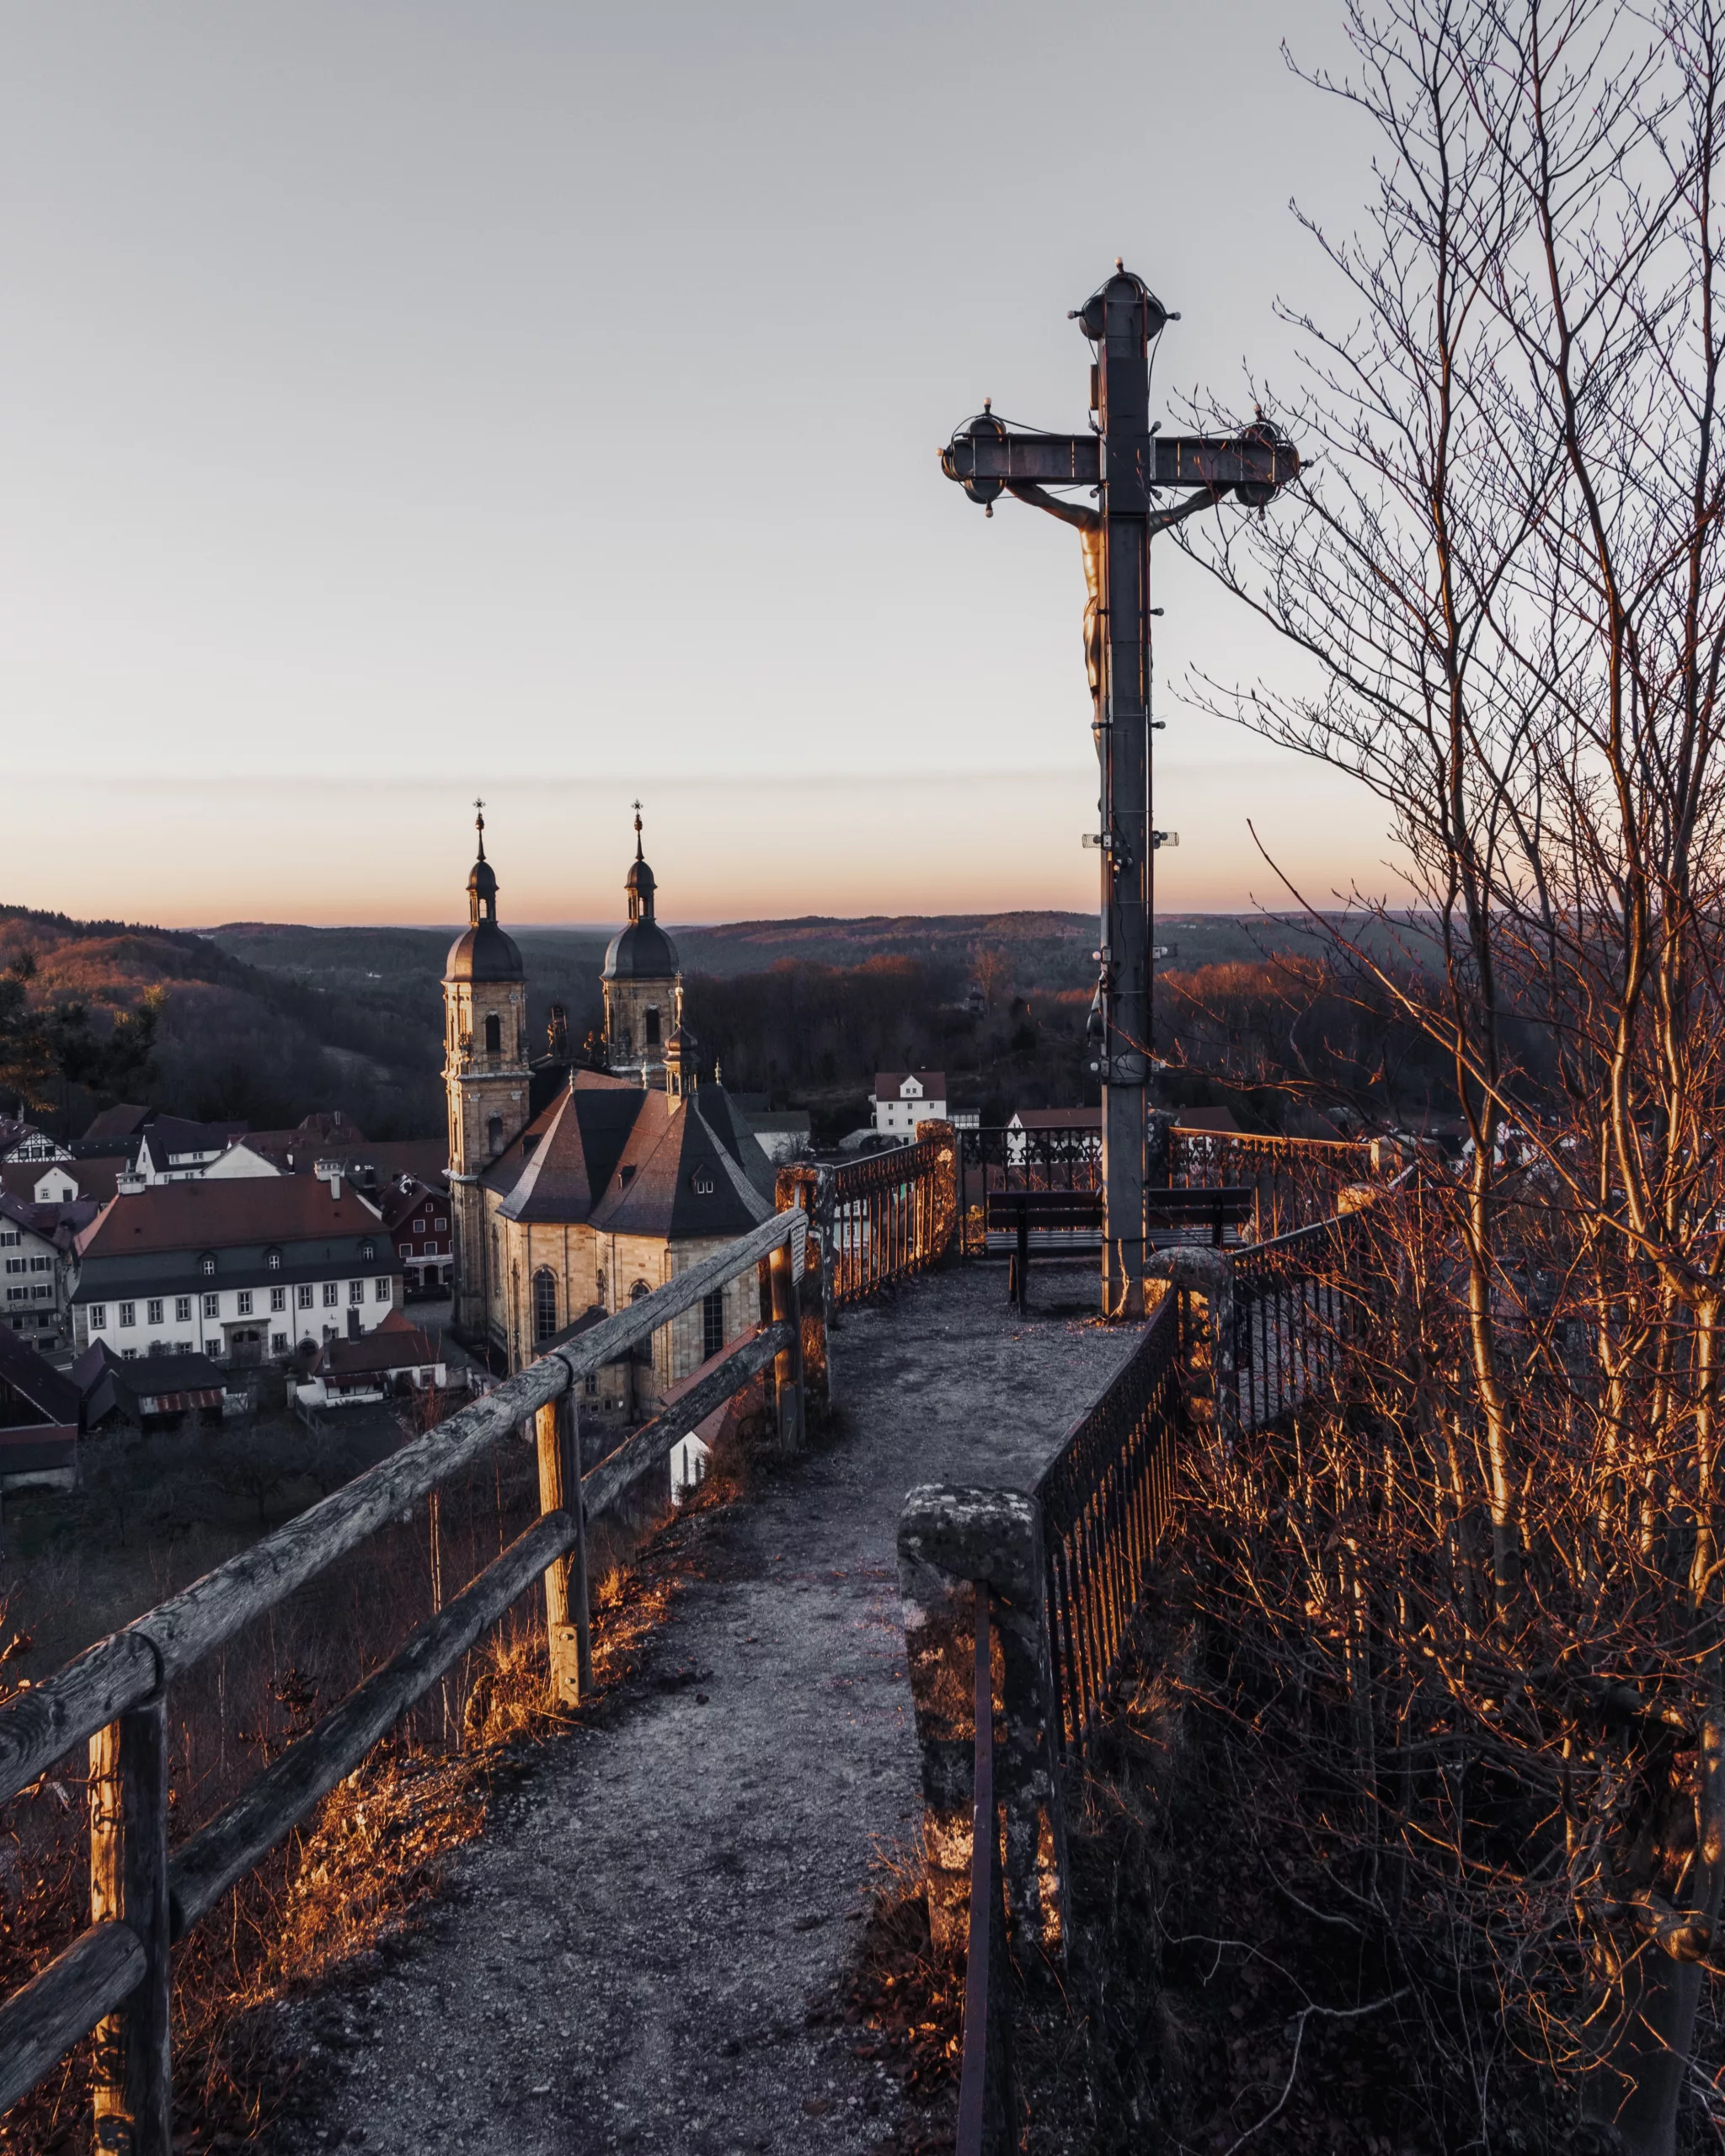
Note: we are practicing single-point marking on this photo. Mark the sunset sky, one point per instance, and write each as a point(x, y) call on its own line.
point(408, 402)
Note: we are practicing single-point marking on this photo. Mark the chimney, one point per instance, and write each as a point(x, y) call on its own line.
point(127, 1182)
point(335, 1182)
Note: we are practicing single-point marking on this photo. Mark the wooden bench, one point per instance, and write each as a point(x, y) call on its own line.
point(1018, 1211)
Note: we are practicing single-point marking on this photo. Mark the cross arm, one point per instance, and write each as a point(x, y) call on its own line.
point(983, 458)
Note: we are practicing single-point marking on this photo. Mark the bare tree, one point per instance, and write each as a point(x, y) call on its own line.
point(1504, 1545)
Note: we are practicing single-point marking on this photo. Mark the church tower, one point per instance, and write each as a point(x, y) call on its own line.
point(485, 1074)
point(643, 982)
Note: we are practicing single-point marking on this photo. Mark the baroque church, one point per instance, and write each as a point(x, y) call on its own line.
point(575, 1191)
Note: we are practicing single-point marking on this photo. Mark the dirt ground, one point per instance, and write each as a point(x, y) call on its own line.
point(644, 1952)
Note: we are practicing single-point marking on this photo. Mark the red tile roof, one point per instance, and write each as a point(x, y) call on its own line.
point(205, 1216)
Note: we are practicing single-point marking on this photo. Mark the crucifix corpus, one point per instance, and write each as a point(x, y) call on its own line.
point(1124, 463)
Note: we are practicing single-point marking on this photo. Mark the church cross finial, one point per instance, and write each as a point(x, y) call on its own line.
point(480, 826)
point(637, 830)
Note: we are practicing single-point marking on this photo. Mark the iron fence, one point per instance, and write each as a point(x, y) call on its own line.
point(1299, 1302)
point(888, 1216)
point(1106, 1497)
point(1294, 1181)
point(995, 1160)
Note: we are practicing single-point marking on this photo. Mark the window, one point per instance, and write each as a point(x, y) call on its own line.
point(368, 1252)
point(418, 1227)
point(544, 1303)
point(590, 1384)
point(711, 1323)
point(153, 1312)
point(493, 1133)
point(356, 1291)
point(17, 1295)
point(206, 1265)
point(10, 1238)
point(302, 1297)
point(244, 1302)
point(128, 1354)
point(98, 1317)
point(41, 1265)
point(17, 1265)
point(278, 1343)
point(128, 1313)
point(493, 1035)
point(272, 1258)
point(380, 1288)
point(332, 1294)
point(652, 1025)
point(212, 1306)
point(182, 1310)
point(278, 1298)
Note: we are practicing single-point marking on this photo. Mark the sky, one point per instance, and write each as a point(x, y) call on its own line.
point(401, 404)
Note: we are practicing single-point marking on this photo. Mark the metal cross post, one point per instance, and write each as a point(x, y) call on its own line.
point(1123, 461)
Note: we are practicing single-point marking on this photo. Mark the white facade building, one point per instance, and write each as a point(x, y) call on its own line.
point(902, 1099)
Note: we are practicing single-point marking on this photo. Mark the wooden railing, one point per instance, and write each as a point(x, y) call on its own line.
point(888, 1216)
point(114, 1977)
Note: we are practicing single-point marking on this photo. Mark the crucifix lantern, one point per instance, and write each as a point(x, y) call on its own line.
point(1123, 463)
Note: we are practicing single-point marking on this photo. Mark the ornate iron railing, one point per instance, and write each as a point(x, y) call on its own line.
point(996, 1158)
point(1106, 1496)
point(888, 1216)
point(1296, 1180)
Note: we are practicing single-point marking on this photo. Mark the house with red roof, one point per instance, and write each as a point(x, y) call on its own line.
point(243, 1271)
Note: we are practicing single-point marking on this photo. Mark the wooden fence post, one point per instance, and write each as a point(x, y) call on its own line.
point(567, 1631)
point(133, 2083)
point(950, 1538)
point(801, 1187)
point(787, 1365)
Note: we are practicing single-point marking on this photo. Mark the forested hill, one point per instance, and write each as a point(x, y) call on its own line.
point(267, 1021)
point(235, 1038)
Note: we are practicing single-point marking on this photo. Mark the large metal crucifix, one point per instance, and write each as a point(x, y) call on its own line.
point(1124, 462)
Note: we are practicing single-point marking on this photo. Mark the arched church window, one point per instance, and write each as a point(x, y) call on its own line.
point(544, 1303)
point(493, 1035)
point(642, 1352)
point(493, 1133)
point(653, 1025)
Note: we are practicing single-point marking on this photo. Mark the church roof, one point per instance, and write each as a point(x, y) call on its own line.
point(636, 1162)
point(484, 952)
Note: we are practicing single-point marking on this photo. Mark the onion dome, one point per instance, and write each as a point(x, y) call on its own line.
point(483, 951)
point(643, 952)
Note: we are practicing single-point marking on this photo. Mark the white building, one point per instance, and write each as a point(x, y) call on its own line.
point(902, 1099)
point(244, 1272)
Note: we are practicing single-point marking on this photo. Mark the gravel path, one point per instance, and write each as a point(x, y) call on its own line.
point(629, 1959)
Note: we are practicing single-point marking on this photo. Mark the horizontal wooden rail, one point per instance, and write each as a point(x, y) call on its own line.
point(122, 1672)
point(618, 1472)
point(63, 2003)
point(246, 1830)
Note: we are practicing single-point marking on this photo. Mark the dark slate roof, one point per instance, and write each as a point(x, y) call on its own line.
point(641, 952)
point(40, 1383)
point(559, 1165)
point(686, 1181)
point(126, 1120)
point(395, 1344)
point(636, 1162)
